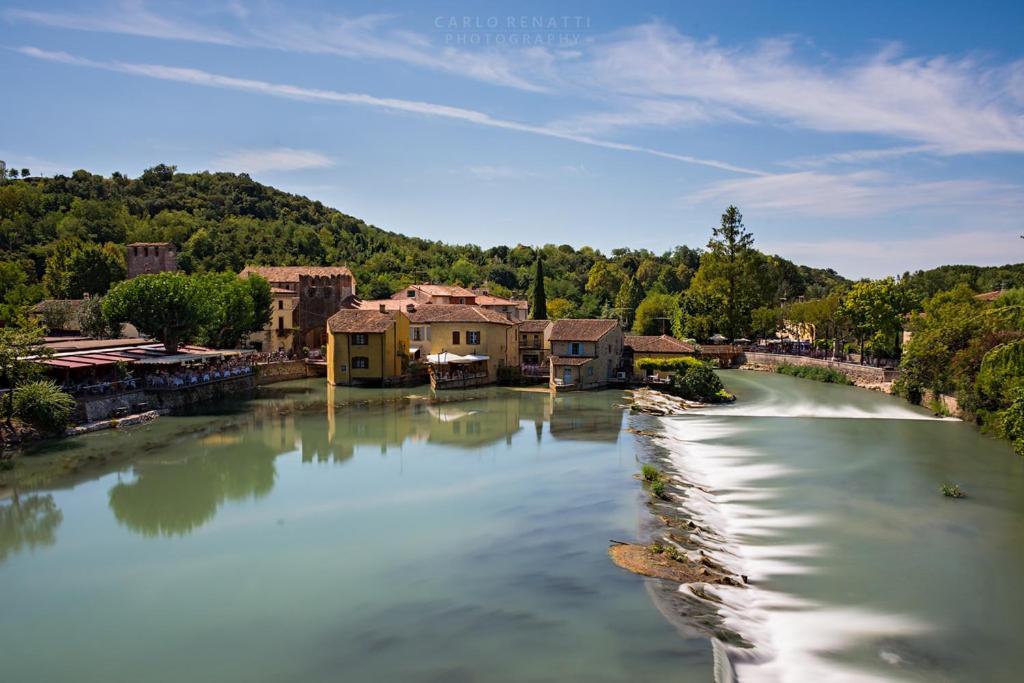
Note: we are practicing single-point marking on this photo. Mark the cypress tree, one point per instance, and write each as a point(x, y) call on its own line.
point(540, 301)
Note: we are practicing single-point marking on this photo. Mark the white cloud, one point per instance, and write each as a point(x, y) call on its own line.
point(860, 193)
point(500, 173)
point(130, 17)
point(208, 79)
point(881, 257)
point(956, 105)
point(277, 159)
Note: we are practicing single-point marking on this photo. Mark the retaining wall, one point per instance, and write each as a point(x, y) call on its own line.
point(860, 374)
point(267, 373)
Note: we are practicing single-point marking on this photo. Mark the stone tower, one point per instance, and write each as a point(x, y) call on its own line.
point(151, 257)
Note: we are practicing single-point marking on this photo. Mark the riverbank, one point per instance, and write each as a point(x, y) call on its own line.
point(863, 376)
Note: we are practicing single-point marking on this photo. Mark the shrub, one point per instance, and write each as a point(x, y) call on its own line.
point(43, 405)
point(827, 375)
point(698, 382)
point(952, 491)
point(650, 473)
point(658, 489)
point(1013, 421)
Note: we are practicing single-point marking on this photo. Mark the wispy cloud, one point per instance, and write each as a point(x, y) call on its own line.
point(367, 37)
point(956, 105)
point(276, 159)
point(500, 173)
point(860, 193)
point(881, 257)
point(647, 75)
point(208, 79)
point(129, 17)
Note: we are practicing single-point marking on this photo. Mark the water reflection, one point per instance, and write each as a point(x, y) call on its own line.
point(28, 522)
point(180, 486)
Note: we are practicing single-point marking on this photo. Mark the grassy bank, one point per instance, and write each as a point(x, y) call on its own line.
point(827, 375)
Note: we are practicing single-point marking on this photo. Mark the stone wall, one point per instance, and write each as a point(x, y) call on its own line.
point(189, 396)
point(942, 404)
point(101, 407)
point(859, 374)
point(268, 373)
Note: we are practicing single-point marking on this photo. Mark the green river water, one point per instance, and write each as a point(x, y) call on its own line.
point(367, 535)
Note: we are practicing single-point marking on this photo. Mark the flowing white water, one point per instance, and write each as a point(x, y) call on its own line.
point(742, 500)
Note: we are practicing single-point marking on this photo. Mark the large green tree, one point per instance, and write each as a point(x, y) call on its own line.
point(173, 308)
point(656, 314)
point(729, 269)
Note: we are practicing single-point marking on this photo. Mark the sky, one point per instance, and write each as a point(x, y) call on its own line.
point(873, 138)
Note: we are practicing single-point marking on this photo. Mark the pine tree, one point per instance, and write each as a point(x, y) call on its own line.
point(539, 310)
point(732, 245)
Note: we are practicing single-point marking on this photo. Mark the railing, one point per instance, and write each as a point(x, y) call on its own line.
point(103, 389)
point(459, 381)
point(178, 383)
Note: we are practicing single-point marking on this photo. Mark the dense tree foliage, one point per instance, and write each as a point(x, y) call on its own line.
point(63, 232)
point(213, 308)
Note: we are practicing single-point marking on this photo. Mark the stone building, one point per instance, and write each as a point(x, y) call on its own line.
point(319, 293)
point(151, 257)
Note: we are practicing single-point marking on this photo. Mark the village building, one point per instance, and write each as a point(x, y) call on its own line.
point(319, 293)
point(662, 347)
point(145, 258)
point(534, 347)
point(585, 354)
point(276, 335)
point(478, 340)
point(367, 347)
point(515, 310)
point(430, 293)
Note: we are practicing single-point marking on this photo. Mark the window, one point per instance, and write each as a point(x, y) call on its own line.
point(417, 334)
point(280, 304)
point(280, 323)
point(473, 337)
point(590, 371)
point(536, 340)
point(311, 292)
point(358, 340)
point(522, 339)
point(456, 337)
point(411, 293)
point(360, 363)
point(575, 349)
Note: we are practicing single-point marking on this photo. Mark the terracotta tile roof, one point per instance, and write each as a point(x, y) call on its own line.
point(150, 244)
point(293, 273)
point(375, 304)
point(569, 360)
point(437, 290)
point(536, 326)
point(355, 320)
point(661, 344)
point(488, 300)
point(456, 313)
point(990, 296)
point(581, 330)
point(282, 292)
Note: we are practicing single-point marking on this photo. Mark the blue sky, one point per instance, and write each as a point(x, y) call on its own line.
point(862, 136)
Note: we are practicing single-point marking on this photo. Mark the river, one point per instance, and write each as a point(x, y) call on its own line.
point(368, 535)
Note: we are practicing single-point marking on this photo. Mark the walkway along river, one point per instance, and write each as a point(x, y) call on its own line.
point(380, 535)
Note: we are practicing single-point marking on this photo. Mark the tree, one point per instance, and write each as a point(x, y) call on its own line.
point(241, 306)
point(56, 314)
point(75, 267)
point(876, 307)
point(656, 314)
point(728, 261)
point(629, 297)
point(559, 308)
point(464, 273)
point(18, 343)
point(94, 323)
point(765, 321)
point(539, 307)
point(605, 279)
point(170, 307)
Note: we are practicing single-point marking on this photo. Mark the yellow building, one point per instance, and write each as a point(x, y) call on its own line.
point(367, 347)
point(466, 331)
point(276, 335)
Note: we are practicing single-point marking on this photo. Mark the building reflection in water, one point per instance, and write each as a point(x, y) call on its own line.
point(182, 486)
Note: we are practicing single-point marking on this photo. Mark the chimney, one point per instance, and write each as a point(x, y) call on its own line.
point(411, 308)
point(383, 308)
